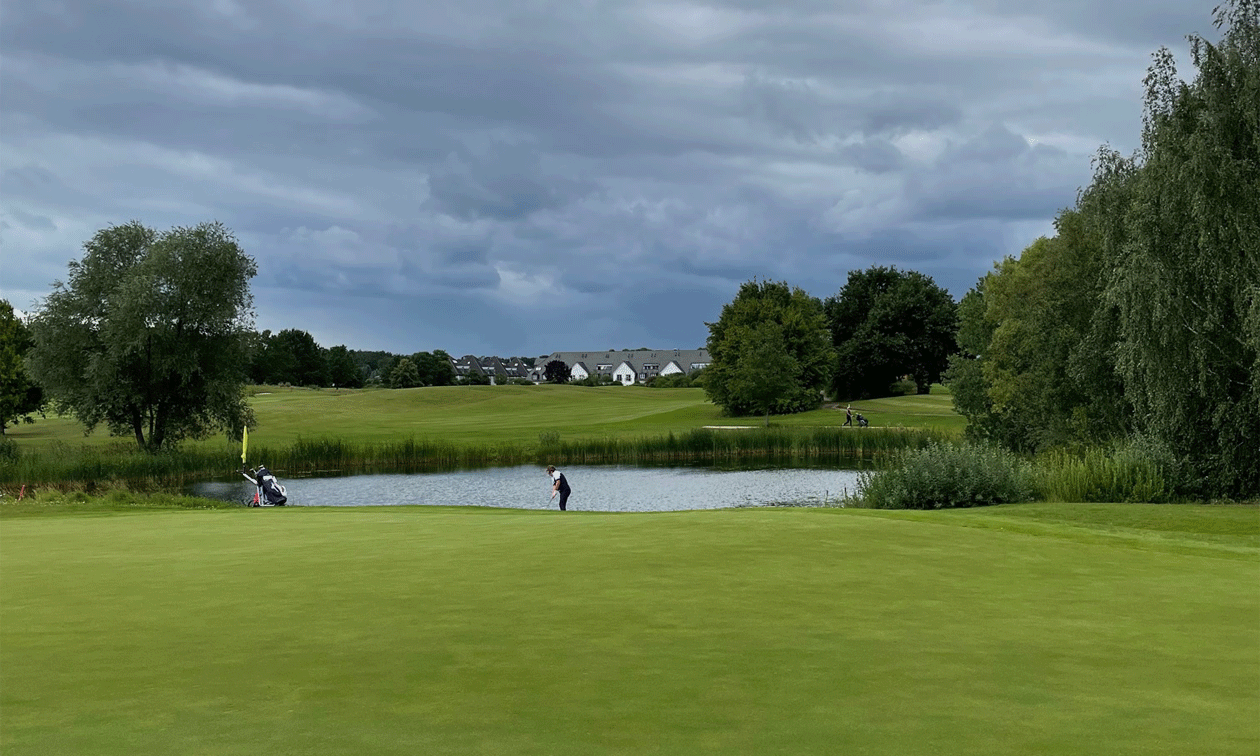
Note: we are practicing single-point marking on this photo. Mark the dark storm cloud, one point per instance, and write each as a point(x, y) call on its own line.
point(505, 177)
point(998, 174)
point(506, 182)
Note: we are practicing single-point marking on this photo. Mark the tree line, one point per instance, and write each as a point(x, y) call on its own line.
point(293, 357)
point(1137, 322)
point(776, 349)
point(1140, 317)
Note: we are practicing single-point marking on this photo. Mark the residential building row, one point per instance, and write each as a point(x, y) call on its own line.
point(626, 367)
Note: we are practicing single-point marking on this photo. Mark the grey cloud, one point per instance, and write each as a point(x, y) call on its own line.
point(611, 160)
point(898, 114)
point(998, 174)
point(874, 155)
point(506, 182)
point(32, 221)
point(466, 277)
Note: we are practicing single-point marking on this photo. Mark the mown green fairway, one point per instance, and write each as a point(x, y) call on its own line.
point(502, 414)
point(1030, 629)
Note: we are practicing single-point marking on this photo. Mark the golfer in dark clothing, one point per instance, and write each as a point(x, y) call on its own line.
point(559, 485)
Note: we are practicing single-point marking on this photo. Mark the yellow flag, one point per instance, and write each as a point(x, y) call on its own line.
point(244, 443)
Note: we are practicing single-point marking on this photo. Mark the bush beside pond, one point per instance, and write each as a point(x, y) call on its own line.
point(943, 476)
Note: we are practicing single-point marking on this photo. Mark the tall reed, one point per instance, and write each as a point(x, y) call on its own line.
point(1133, 471)
point(783, 444)
point(64, 465)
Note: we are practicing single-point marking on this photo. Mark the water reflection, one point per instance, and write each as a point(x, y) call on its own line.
point(595, 488)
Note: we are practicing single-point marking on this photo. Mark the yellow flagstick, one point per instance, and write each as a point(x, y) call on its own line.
point(244, 444)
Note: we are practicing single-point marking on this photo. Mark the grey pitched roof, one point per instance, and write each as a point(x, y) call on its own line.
point(635, 357)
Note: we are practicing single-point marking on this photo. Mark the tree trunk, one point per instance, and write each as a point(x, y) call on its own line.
point(137, 424)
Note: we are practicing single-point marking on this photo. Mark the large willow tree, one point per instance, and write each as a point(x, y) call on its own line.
point(1142, 315)
point(1184, 277)
point(148, 335)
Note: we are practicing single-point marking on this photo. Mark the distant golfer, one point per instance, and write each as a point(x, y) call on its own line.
point(559, 485)
point(848, 415)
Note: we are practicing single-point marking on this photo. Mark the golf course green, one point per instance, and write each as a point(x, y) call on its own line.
point(1021, 629)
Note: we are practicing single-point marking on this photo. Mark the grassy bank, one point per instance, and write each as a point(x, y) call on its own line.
point(306, 431)
point(495, 415)
point(1065, 629)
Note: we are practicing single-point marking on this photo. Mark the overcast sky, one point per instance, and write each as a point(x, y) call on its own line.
point(514, 177)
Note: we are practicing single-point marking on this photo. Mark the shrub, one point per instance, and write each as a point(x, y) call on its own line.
point(1134, 470)
point(9, 451)
point(674, 380)
point(903, 388)
point(595, 379)
point(943, 476)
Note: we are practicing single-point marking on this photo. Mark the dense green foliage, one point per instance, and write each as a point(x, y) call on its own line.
point(556, 371)
point(779, 325)
point(973, 474)
point(19, 396)
point(293, 357)
point(404, 374)
point(765, 370)
point(694, 379)
point(886, 324)
point(944, 476)
point(342, 370)
point(1142, 315)
point(1137, 470)
point(149, 336)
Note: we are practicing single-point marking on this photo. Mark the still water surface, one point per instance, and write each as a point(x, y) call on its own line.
point(595, 488)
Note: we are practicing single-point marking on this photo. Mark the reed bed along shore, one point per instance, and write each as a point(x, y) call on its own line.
point(77, 468)
point(784, 444)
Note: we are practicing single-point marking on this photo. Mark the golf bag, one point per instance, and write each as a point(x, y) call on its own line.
point(862, 422)
point(269, 492)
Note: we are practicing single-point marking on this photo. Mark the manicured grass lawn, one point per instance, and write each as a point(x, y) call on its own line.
point(501, 414)
point(1028, 629)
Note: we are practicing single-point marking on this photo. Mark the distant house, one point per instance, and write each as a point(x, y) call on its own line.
point(498, 369)
point(626, 366)
point(625, 373)
point(466, 366)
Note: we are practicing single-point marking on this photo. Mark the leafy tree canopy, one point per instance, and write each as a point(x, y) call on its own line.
point(404, 374)
point(19, 396)
point(435, 368)
point(765, 370)
point(149, 335)
point(342, 369)
point(556, 372)
point(887, 323)
point(1141, 316)
point(298, 358)
point(796, 321)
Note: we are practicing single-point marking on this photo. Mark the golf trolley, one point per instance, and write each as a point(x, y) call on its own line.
point(268, 491)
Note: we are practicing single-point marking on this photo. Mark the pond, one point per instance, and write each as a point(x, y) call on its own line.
point(595, 488)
